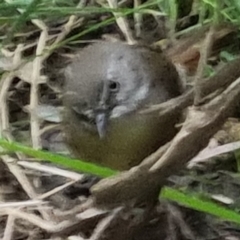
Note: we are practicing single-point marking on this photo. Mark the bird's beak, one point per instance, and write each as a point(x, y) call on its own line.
point(102, 115)
point(101, 122)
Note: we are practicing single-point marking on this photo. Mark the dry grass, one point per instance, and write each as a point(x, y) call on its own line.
point(33, 206)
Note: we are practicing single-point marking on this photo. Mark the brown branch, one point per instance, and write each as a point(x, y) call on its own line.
point(206, 48)
point(220, 81)
point(200, 125)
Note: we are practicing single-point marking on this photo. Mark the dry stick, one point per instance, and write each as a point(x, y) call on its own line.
point(171, 227)
point(74, 176)
point(20, 204)
point(122, 23)
point(20, 176)
point(4, 125)
point(78, 209)
point(36, 72)
point(196, 5)
point(37, 63)
point(37, 221)
point(40, 57)
point(31, 45)
point(175, 104)
point(224, 77)
point(183, 44)
point(175, 216)
point(71, 24)
point(213, 152)
point(23, 181)
point(200, 125)
point(8, 232)
point(137, 18)
point(56, 190)
point(206, 48)
point(26, 185)
point(104, 224)
point(48, 128)
point(61, 226)
point(5, 85)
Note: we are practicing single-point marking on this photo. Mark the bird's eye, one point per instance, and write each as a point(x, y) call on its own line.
point(114, 86)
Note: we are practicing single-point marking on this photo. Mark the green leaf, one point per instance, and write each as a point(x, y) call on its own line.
point(194, 202)
point(74, 164)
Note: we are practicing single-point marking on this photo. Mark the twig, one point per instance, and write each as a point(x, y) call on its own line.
point(122, 23)
point(5, 85)
point(52, 169)
point(37, 221)
point(8, 232)
point(137, 18)
point(213, 152)
point(37, 64)
point(199, 126)
point(56, 190)
point(206, 48)
point(20, 204)
point(23, 180)
point(70, 24)
point(104, 223)
point(177, 218)
point(224, 77)
point(60, 227)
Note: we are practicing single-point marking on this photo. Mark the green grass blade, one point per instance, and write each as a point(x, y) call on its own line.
point(194, 202)
point(74, 164)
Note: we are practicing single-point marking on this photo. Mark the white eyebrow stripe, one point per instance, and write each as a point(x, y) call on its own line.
point(140, 95)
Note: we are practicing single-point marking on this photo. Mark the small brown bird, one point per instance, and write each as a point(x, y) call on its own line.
point(107, 84)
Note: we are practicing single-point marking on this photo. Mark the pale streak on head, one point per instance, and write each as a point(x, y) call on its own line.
point(130, 104)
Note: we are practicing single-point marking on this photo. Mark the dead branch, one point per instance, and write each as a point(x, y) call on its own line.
point(215, 84)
